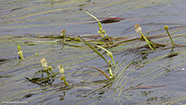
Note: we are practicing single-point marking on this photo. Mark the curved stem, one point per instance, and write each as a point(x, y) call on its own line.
point(99, 71)
point(171, 40)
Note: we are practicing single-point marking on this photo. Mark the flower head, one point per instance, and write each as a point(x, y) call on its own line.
point(44, 62)
point(61, 69)
point(137, 27)
point(20, 53)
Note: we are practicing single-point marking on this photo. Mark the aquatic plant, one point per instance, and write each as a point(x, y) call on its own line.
point(44, 64)
point(110, 54)
point(135, 68)
point(138, 29)
point(166, 29)
point(62, 70)
point(20, 51)
point(63, 35)
point(101, 32)
point(135, 71)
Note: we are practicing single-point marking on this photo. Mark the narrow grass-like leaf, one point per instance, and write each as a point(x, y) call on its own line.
point(109, 67)
point(138, 29)
point(93, 17)
point(148, 42)
point(93, 49)
point(109, 53)
point(101, 32)
point(99, 71)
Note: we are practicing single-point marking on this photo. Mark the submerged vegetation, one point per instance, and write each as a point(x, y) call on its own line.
point(74, 62)
point(132, 71)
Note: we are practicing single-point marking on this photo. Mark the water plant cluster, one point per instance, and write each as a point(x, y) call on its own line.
point(103, 45)
point(107, 40)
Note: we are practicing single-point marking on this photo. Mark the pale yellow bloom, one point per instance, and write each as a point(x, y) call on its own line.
point(61, 69)
point(137, 28)
point(20, 53)
point(44, 62)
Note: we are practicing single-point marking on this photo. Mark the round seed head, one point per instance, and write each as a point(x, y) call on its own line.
point(166, 27)
point(50, 68)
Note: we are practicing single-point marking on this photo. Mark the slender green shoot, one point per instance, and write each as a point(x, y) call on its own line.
point(138, 29)
point(20, 51)
point(99, 71)
point(110, 70)
point(101, 32)
point(62, 78)
point(166, 28)
point(37, 35)
point(108, 53)
point(93, 49)
point(16, 43)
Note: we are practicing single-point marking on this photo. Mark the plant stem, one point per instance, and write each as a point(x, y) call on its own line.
point(148, 42)
point(171, 40)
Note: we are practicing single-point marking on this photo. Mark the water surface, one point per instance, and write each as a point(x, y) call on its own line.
point(161, 78)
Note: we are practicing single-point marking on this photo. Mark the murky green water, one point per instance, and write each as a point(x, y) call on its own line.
point(157, 77)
